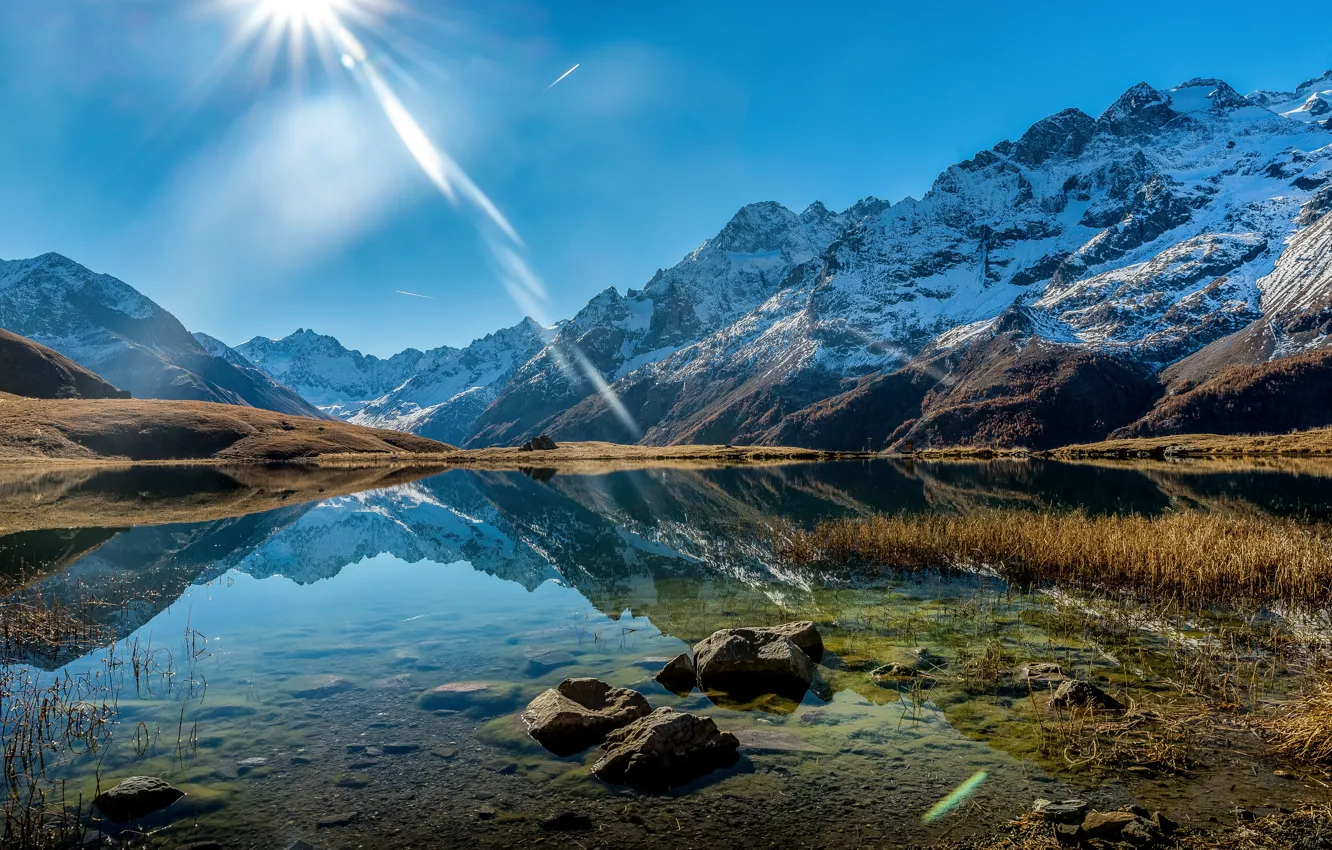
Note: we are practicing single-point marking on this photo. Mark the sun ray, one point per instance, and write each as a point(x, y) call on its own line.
point(273, 26)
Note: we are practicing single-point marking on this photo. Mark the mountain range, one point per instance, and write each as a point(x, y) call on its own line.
point(1163, 266)
point(108, 327)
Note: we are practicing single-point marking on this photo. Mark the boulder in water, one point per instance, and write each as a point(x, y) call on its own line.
point(136, 797)
point(1077, 694)
point(580, 713)
point(678, 676)
point(755, 661)
point(666, 749)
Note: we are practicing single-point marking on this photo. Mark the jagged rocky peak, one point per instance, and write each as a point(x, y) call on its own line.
point(1065, 133)
point(1139, 111)
point(1281, 101)
point(764, 226)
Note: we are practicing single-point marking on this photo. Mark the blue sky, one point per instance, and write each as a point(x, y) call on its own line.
point(256, 203)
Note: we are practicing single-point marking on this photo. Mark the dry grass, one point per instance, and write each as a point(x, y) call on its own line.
point(1190, 559)
point(1313, 443)
point(597, 457)
point(156, 430)
point(1303, 729)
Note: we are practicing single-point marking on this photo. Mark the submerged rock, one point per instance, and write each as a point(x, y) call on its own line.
point(1077, 694)
point(136, 797)
point(567, 822)
point(679, 675)
point(894, 672)
point(758, 660)
point(476, 697)
point(318, 687)
point(665, 749)
point(543, 661)
point(1040, 674)
point(579, 713)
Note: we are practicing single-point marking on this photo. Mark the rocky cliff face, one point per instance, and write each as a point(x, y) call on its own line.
point(108, 327)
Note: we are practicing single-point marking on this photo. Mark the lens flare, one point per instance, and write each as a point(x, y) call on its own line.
point(329, 25)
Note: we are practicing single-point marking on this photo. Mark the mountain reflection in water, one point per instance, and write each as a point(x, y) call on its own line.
point(518, 579)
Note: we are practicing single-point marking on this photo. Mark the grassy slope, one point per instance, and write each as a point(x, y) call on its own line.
point(153, 430)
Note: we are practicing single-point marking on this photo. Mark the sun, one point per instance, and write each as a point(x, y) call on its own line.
point(292, 26)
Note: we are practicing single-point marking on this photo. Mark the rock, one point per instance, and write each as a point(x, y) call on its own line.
point(539, 663)
point(352, 780)
point(1139, 833)
point(678, 676)
point(665, 749)
point(445, 753)
point(567, 822)
point(894, 672)
point(1068, 834)
point(337, 819)
point(1245, 815)
point(318, 687)
point(1077, 694)
point(244, 766)
point(300, 845)
point(301, 760)
point(486, 813)
point(541, 443)
point(1106, 826)
point(136, 797)
point(487, 698)
point(773, 741)
point(1065, 811)
point(579, 713)
point(200, 845)
point(752, 661)
point(355, 748)
point(503, 768)
point(803, 634)
point(926, 660)
point(1164, 823)
point(401, 749)
point(226, 771)
point(1040, 674)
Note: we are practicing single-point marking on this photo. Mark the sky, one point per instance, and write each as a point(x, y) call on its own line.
point(143, 139)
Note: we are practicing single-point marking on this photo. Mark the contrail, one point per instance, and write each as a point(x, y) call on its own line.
point(562, 76)
point(414, 294)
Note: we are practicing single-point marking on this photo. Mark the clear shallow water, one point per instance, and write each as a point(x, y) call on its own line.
point(305, 636)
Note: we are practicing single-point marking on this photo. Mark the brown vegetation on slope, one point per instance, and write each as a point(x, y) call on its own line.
point(30, 369)
point(1038, 396)
point(1293, 393)
point(152, 430)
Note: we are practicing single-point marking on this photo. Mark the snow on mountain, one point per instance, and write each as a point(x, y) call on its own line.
point(439, 392)
point(1146, 232)
point(725, 278)
point(110, 328)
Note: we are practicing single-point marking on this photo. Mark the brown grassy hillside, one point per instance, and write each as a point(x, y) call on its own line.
point(1293, 393)
point(152, 430)
point(28, 368)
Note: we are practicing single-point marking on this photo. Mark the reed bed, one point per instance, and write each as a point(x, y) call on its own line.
point(1303, 729)
point(1190, 559)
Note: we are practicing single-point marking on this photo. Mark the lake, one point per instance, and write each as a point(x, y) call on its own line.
point(281, 666)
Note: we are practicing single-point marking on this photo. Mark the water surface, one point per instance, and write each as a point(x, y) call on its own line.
point(282, 654)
